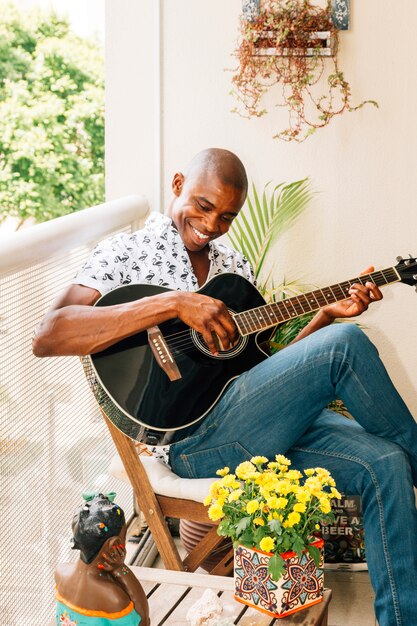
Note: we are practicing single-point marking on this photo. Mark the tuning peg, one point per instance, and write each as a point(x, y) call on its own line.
point(399, 259)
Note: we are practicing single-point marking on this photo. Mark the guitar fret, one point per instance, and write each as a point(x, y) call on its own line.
point(306, 304)
point(269, 315)
point(273, 314)
point(320, 298)
point(242, 317)
point(283, 304)
point(297, 306)
point(337, 288)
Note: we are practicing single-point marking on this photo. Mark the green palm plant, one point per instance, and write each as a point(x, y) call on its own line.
point(258, 226)
point(262, 221)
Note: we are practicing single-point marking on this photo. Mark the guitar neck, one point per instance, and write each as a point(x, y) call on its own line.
point(270, 315)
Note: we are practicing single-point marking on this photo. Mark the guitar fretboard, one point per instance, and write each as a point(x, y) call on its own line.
point(270, 315)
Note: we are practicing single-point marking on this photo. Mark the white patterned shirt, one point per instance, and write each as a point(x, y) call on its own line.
point(155, 255)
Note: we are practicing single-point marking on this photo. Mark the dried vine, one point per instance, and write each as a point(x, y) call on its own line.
point(272, 51)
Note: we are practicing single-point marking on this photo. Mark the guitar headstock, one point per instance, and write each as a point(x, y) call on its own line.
point(407, 269)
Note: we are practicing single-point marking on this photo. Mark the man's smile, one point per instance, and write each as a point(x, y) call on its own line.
point(199, 234)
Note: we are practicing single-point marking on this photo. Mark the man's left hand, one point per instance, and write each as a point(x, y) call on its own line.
point(361, 296)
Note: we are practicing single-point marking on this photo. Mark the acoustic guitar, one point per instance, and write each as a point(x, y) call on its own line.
point(165, 379)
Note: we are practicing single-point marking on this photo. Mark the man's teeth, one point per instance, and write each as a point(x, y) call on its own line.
point(200, 235)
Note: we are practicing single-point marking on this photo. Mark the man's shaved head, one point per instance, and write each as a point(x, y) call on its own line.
point(223, 164)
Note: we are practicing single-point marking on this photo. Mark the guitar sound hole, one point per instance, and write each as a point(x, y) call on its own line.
point(223, 354)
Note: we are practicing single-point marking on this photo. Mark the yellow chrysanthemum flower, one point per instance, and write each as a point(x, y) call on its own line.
point(214, 488)
point(267, 544)
point(215, 512)
point(228, 480)
point(300, 507)
point(234, 495)
point(223, 472)
point(275, 515)
point(325, 505)
point(292, 519)
point(252, 506)
point(258, 460)
point(282, 460)
point(303, 495)
point(309, 472)
point(258, 521)
point(246, 470)
point(207, 500)
point(283, 487)
point(293, 475)
point(335, 493)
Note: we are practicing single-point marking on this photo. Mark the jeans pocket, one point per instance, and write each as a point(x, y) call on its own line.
point(203, 463)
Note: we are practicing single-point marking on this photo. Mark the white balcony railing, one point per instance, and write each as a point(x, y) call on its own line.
point(53, 442)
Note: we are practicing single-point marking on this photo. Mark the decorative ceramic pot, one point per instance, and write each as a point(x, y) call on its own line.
point(300, 587)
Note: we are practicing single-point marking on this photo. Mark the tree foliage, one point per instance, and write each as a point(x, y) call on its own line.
point(51, 117)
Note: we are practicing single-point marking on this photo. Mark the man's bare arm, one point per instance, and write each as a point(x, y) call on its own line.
point(73, 326)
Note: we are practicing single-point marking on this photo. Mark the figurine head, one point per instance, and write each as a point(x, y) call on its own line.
point(94, 522)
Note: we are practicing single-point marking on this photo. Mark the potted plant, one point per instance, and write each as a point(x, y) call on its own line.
point(292, 44)
point(272, 514)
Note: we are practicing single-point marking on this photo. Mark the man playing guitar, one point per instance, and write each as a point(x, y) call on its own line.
point(278, 406)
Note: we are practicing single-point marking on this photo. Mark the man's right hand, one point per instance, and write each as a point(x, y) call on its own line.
point(207, 316)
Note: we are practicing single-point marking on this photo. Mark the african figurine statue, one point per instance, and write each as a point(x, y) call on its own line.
point(99, 589)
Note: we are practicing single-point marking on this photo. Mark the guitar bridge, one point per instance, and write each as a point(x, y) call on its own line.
point(163, 354)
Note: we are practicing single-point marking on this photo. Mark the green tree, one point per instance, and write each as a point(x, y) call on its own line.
point(51, 116)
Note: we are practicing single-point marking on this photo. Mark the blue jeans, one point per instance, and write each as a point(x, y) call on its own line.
point(278, 407)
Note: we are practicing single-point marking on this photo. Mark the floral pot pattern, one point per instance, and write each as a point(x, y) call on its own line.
point(300, 587)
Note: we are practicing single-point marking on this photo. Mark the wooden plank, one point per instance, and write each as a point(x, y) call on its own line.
point(179, 616)
point(252, 617)
point(184, 509)
point(231, 610)
point(225, 566)
point(204, 547)
point(164, 600)
point(233, 607)
point(183, 578)
point(146, 498)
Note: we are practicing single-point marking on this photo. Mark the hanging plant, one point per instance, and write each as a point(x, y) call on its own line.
point(292, 44)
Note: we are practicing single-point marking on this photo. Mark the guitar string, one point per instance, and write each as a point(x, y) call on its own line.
point(182, 339)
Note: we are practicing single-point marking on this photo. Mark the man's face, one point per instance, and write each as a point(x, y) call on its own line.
point(203, 208)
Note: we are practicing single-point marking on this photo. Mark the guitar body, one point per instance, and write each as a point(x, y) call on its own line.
point(141, 389)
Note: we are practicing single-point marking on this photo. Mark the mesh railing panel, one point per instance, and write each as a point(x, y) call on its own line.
point(54, 445)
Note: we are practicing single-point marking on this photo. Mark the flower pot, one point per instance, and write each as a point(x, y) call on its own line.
point(300, 587)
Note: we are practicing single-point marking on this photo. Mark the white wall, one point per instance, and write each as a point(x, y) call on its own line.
point(363, 164)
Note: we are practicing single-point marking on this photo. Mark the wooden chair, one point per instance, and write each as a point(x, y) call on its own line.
point(156, 508)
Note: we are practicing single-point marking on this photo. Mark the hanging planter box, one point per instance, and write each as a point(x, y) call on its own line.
point(300, 587)
point(322, 44)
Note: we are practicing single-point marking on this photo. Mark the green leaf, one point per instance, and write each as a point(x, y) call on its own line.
point(275, 526)
point(276, 567)
point(242, 524)
point(315, 554)
point(269, 219)
point(260, 533)
point(298, 545)
point(246, 538)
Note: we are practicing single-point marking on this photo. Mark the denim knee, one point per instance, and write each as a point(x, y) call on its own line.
point(389, 467)
point(347, 334)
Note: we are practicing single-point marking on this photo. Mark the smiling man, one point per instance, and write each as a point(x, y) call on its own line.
point(279, 405)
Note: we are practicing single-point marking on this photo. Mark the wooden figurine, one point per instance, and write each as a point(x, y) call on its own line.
point(99, 589)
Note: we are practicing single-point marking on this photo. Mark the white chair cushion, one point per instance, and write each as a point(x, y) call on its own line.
point(163, 480)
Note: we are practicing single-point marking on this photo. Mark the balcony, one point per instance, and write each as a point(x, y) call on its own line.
point(53, 442)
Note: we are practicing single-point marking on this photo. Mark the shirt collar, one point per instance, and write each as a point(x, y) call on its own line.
point(160, 224)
